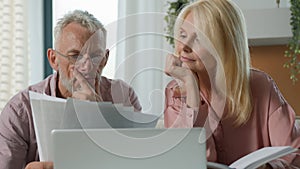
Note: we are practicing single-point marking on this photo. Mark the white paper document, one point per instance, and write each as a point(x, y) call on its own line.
point(54, 113)
point(46, 116)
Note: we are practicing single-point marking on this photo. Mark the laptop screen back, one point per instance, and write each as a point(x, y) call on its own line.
point(129, 148)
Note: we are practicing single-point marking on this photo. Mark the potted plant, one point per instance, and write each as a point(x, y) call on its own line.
point(293, 51)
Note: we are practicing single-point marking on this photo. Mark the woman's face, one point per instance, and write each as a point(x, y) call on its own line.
point(190, 47)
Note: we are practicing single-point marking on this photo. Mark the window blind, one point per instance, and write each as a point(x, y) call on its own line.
point(14, 49)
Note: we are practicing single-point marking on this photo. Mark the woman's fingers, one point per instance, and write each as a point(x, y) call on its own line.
point(175, 69)
point(172, 63)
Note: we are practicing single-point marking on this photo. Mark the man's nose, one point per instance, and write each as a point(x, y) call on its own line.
point(85, 65)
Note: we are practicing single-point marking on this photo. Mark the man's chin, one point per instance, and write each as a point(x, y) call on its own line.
point(76, 84)
point(67, 84)
point(91, 81)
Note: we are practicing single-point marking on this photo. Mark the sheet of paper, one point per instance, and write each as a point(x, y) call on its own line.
point(54, 113)
point(84, 115)
point(105, 115)
point(47, 115)
point(39, 96)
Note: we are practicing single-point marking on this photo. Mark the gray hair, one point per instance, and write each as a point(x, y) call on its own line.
point(83, 18)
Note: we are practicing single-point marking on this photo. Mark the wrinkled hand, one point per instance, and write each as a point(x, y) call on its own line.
point(86, 91)
point(175, 69)
point(40, 165)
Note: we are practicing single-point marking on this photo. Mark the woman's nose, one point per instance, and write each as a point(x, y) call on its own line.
point(188, 44)
point(187, 48)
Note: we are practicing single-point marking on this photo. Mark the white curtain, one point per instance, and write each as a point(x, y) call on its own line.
point(141, 50)
point(14, 49)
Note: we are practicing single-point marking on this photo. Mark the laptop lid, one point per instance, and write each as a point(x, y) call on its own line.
point(137, 148)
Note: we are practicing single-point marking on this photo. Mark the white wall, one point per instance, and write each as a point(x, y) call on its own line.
point(266, 23)
point(261, 4)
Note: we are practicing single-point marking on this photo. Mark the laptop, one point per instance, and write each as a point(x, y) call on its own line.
point(135, 148)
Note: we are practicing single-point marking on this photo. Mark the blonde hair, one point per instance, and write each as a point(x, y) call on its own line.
point(223, 24)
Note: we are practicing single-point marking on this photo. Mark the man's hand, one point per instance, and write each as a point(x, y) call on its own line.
point(265, 166)
point(40, 165)
point(86, 91)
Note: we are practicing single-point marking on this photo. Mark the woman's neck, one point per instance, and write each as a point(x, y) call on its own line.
point(204, 84)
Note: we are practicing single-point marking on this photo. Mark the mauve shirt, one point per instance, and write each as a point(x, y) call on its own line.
point(18, 144)
point(272, 123)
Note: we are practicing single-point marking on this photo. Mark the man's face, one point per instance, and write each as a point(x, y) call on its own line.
point(78, 49)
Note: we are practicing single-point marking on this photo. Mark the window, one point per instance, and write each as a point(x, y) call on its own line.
point(20, 48)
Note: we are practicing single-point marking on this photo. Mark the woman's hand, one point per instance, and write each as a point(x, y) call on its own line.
point(174, 68)
point(40, 165)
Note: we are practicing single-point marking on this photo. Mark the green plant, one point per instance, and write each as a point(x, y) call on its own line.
point(293, 51)
point(172, 12)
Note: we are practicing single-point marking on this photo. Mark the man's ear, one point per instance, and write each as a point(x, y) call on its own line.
point(51, 55)
point(105, 59)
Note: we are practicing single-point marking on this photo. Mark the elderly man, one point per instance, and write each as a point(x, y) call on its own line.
point(78, 59)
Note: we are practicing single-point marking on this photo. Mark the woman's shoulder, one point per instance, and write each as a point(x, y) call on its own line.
point(261, 80)
point(257, 75)
point(264, 87)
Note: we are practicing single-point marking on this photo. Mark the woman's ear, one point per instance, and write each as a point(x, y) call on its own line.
point(51, 55)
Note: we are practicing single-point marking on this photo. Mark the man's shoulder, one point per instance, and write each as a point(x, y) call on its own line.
point(118, 91)
point(108, 83)
point(22, 97)
point(44, 85)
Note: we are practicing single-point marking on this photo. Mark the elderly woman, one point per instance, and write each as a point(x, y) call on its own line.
point(214, 87)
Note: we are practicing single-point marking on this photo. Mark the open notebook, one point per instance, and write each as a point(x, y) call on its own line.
point(129, 148)
point(256, 158)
